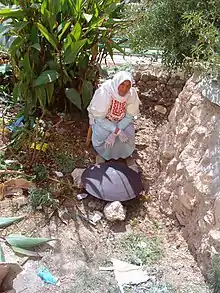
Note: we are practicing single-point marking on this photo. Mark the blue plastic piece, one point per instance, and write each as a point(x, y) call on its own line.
point(47, 277)
point(17, 123)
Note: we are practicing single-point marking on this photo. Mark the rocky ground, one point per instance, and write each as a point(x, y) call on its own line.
point(146, 237)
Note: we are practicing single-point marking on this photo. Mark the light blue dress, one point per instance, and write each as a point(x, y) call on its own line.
point(103, 128)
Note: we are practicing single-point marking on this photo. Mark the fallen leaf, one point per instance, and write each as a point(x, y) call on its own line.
point(25, 251)
point(25, 242)
point(19, 183)
point(2, 255)
point(5, 222)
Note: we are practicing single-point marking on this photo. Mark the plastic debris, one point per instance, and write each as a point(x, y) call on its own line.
point(127, 274)
point(17, 123)
point(47, 277)
point(81, 196)
point(39, 146)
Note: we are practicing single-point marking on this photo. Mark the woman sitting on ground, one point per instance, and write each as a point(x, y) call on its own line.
point(111, 113)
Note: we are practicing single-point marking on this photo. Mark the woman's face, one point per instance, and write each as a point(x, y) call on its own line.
point(124, 88)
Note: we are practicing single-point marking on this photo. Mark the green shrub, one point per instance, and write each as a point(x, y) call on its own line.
point(181, 28)
point(57, 48)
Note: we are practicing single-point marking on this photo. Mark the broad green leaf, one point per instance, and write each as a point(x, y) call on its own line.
point(75, 48)
point(74, 97)
point(37, 47)
point(77, 30)
point(68, 42)
point(25, 251)
point(5, 222)
point(65, 28)
point(2, 255)
point(47, 35)
point(22, 241)
point(46, 77)
point(87, 91)
point(88, 17)
point(16, 44)
point(12, 13)
point(53, 65)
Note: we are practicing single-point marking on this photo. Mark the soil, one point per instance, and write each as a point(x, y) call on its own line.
point(81, 247)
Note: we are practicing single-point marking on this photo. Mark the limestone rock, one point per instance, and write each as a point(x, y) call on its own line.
point(77, 177)
point(160, 109)
point(115, 211)
point(189, 155)
point(137, 76)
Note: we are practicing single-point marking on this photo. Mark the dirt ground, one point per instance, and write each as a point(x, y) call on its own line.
point(81, 248)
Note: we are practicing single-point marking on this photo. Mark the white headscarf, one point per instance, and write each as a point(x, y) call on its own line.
point(102, 98)
point(118, 79)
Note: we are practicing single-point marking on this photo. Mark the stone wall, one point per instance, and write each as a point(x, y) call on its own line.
point(190, 161)
point(159, 88)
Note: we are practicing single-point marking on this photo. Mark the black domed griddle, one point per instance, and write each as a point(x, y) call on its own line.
point(112, 182)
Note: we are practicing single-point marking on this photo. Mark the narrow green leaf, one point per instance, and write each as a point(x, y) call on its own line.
point(88, 17)
point(75, 48)
point(49, 91)
point(74, 97)
point(41, 96)
point(87, 91)
point(25, 251)
point(117, 47)
point(20, 25)
point(46, 77)
point(37, 47)
point(78, 5)
point(77, 30)
point(25, 242)
point(2, 255)
point(65, 28)
point(47, 35)
point(26, 64)
point(5, 222)
point(12, 13)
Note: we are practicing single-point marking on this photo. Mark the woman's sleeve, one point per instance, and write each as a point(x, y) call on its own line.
point(106, 124)
point(125, 121)
point(98, 109)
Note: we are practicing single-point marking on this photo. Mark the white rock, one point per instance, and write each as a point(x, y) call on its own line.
point(58, 174)
point(96, 217)
point(115, 211)
point(77, 177)
point(160, 109)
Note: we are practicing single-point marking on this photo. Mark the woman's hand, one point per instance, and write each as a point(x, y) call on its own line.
point(110, 140)
point(123, 137)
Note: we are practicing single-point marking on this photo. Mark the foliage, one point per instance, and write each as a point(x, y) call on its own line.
point(40, 172)
point(41, 198)
point(5, 222)
point(214, 274)
point(65, 163)
point(57, 48)
point(141, 250)
point(182, 29)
